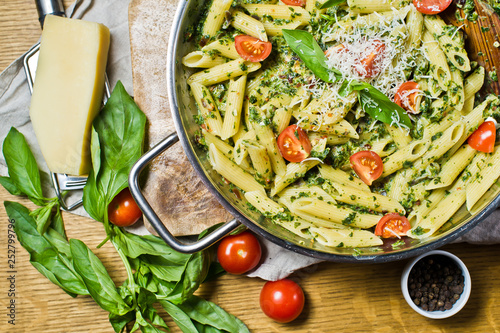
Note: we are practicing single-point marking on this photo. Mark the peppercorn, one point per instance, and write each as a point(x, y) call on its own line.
point(436, 283)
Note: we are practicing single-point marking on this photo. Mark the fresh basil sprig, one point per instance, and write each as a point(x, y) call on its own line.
point(120, 127)
point(373, 102)
point(49, 253)
point(155, 272)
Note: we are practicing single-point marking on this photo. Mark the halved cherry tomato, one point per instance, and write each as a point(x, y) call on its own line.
point(294, 2)
point(294, 144)
point(239, 253)
point(406, 96)
point(282, 300)
point(392, 225)
point(483, 139)
point(369, 64)
point(431, 7)
point(123, 211)
point(367, 165)
point(251, 48)
point(334, 50)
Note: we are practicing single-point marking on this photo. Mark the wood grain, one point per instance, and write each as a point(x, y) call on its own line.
point(172, 187)
point(340, 297)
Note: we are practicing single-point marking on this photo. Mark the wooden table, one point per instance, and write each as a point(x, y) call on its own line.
point(339, 297)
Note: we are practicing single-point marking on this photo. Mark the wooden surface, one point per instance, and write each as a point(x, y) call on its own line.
point(173, 189)
point(339, 297)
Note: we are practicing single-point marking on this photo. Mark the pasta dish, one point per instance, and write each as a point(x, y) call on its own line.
point(344, 122)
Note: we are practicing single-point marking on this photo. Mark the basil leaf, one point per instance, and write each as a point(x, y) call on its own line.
point(180, 318)
point(133, 246)
point(379, 106)
point(58, 224)
point(119, 322)
point(23, 170)
point(96, 278)
point(44, 255)
point(307, 49)
point(331, 3)
point(9, 185)
point(210, 314)
point(195, 271)
point(42, 216)
point(163, 268)
point(120, 127)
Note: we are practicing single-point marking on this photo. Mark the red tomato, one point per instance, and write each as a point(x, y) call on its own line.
point(406, 96)
point(367, 165)
point(123, 211)
point(239, 253)
point(294, 144)
point(282, 300)
point(294, 2)
point(251, 48)
point(392, 225)
point(483, 139)
point(431, 7)
point(369, 64)
point(334, 50)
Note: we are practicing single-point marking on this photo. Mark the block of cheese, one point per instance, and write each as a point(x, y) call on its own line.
point(68, 91)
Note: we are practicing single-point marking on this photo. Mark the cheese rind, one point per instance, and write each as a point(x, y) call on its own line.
point(68, 91)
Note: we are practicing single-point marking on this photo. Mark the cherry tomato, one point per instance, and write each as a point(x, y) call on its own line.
point(282, 300)
point(239, 253)
point(369, 65)
point(431, 7)
point(251, 48)
point(483, 139)
point(294, 144)
point(392, 225)
point(294, 2)
point(406, 96)
point(367, 165)
point(123, 211)
point(335, 50)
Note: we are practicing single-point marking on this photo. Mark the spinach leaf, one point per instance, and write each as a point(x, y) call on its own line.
point(120, 127)
point(378, 105)
point(23, 170)
point(96, 278)
point(306, 48)
point(44, 255)
point(331, 3)
point(210, 314)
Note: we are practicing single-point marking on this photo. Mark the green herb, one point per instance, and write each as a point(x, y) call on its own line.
point(305, 46)
point(418, 231)
point(349, 219)
point(121, 128)
point(155, 272)
point(378, 105)
point(331, 3)
point(373, 102)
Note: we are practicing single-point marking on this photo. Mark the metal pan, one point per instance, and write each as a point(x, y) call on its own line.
point(183, 109)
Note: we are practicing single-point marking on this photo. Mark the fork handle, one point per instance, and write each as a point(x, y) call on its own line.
point(49, 7)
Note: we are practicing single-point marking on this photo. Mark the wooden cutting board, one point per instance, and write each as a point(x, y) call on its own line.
point(172, 186)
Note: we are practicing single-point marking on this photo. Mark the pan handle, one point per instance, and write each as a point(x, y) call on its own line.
point(173, 242)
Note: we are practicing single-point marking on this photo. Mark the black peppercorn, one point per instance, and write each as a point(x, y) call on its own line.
point(436, 283)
